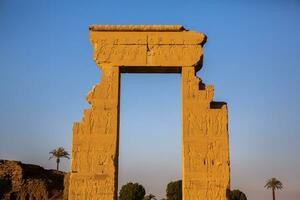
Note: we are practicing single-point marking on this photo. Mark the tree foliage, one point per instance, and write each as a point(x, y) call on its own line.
point(59, 153)
point(132, 191)
point(237, 195)
point(274, 184)
point(174, 190)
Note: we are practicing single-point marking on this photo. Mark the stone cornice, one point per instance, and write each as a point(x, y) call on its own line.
point(150, 28)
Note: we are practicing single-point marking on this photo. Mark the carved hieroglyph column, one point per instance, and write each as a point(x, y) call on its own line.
point(204, 141)
point(94, 161)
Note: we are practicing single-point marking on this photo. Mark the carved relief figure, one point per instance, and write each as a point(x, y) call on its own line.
point(95, 139)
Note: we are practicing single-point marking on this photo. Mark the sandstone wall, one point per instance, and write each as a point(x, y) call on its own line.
point(204, 141)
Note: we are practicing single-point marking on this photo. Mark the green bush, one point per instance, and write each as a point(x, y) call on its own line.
point(237, 195)
point(174, 190)
point(132, 191)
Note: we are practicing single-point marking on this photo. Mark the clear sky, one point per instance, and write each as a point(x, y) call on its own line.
point(252, 56)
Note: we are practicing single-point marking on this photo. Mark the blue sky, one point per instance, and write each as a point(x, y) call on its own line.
point(252, 57)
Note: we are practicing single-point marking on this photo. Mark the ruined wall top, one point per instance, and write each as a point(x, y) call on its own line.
point(159, 28)
point(147, 48)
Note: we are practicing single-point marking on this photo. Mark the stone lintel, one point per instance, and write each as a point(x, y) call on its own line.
point(146, 47)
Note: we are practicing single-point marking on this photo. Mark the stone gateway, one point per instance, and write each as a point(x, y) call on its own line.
point(150, 49)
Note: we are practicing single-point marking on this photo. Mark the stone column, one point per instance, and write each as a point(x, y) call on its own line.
point(94, 164)
point(205, 145)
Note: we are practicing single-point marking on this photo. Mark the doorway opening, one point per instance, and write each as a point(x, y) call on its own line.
point(150, 131)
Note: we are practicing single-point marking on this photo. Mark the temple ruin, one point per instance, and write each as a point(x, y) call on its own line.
point(150, 49)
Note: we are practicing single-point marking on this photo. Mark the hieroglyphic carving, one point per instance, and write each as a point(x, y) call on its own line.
point(95, 142)
point(172, 49)
point(94, 164)
point(205, 141)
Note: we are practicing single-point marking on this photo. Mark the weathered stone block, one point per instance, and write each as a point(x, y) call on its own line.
point(150, 49)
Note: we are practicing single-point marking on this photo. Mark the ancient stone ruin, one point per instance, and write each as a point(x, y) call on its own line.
point(150, 49)
point(19, 181)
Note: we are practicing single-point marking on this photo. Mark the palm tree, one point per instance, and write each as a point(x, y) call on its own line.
point(58, 153)
point(273, 184)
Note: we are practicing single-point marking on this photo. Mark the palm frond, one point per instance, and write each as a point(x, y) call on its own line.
point(274, 184)
point(59, 153)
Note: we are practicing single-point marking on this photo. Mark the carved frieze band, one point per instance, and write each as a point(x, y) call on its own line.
point(147, 48)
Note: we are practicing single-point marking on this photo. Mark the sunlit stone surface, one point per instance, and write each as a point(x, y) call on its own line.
point(150, 49)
